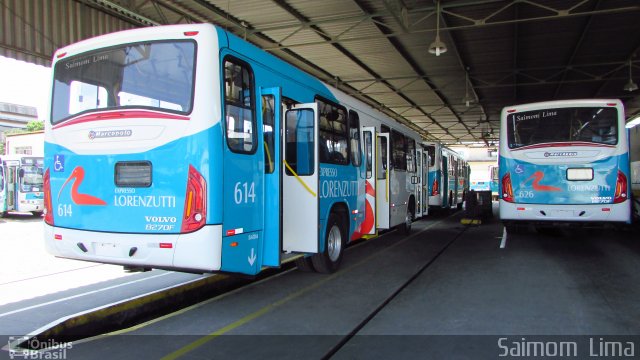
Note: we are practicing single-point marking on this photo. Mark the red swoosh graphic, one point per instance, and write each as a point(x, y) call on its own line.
point(80, 199)
point(369, 220)
point(369, 189)
point(537, 176)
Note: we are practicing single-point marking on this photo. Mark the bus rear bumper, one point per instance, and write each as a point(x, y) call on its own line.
point(199, 251)
point(587, 213)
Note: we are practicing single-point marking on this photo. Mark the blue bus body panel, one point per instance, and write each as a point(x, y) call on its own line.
point(155, 209)
point(336, 185)
point(548, 184)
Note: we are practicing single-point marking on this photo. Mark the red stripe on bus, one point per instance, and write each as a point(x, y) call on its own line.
point(562, 144)
point(120, 115)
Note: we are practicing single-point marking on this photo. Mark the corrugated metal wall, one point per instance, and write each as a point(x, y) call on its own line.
point(31, 30)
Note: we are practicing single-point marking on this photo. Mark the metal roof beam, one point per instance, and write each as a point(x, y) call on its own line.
point(477, 23)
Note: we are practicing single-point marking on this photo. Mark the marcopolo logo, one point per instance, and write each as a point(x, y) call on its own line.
point(561, 154)
point(98, 134)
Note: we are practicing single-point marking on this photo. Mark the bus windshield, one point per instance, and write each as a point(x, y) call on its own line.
point(31, 180)
point(156, 75)
point(588, 124)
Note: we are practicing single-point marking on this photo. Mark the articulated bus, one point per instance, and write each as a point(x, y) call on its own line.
point(564, 162)
point(21, 184)
point(186, 148)
point(448, 177)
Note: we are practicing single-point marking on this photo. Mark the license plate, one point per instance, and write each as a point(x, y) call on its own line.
point(106, 249)
point(580, 174)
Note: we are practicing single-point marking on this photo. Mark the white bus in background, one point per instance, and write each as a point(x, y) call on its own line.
point(21, 188)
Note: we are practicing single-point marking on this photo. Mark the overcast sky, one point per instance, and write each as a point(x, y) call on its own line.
point(24, 84)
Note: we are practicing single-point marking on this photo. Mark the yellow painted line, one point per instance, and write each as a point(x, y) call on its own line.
point(207, 338)
point(299, 179)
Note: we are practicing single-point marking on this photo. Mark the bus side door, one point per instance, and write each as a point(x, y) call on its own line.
point(420, 181)
point(271, 109)
point(370, 161)
point(382, 179)
point(300, 180)
point(444, 189)
point(426, 160)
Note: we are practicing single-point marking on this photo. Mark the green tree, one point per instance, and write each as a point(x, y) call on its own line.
point(35, 125)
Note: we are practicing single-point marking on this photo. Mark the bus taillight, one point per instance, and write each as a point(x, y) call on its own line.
point(507, 190)
point(195, 202)
point(48, 208)
point(621, 188)
point(435, 190)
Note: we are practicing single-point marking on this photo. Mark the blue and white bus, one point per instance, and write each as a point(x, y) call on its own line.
point(564, 162)
point(448, 177)
point(186, 148)
point(21, 184)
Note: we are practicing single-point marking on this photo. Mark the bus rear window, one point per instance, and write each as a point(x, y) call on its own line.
point(157, 75)
point(585, 124)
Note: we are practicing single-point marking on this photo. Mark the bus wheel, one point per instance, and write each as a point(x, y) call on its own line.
point(329, 260)
point(304, 264)
point(405, 228)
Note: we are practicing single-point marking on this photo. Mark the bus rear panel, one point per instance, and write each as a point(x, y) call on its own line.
point(564, 162)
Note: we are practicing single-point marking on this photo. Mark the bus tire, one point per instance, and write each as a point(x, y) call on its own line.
point(329, 260)
point(405, 228)
point(304, 264)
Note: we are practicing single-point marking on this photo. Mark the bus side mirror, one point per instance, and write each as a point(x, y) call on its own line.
point(21, 173)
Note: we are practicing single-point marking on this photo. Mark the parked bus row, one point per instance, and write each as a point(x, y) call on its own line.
point(564, 162)
point(186, 148)
point(448, 178)
point(21, 184)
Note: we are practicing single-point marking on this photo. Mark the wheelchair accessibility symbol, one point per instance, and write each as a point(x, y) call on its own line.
point(58, 163)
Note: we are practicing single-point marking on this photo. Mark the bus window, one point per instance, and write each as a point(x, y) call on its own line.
point(431, 151)
point(382, 159)
point(157, 75)
point(86, 97)
point(268, 115)
point(1, 178)
point(588, 124)
point(354, 138)
point(411, 155)
point(30, 179)
point(368, 149)
point(333, 133)
point(241, 137)
point(299, 142)
point(399, 158)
